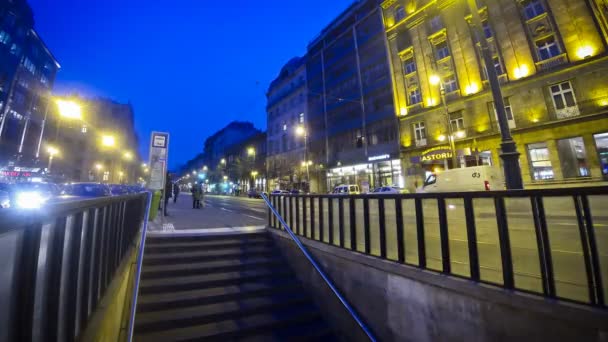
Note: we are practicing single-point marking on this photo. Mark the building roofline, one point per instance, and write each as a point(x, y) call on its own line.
point(45, 47)
point(337, 21)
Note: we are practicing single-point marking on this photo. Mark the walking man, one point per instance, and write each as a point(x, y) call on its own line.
point(168, 192)
point(175, 191)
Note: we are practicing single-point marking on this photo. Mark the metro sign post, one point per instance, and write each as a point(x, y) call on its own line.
point(159, 155)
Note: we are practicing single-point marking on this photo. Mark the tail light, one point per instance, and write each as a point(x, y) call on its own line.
point(487, 185)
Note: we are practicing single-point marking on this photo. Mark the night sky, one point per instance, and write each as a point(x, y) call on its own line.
point(188, 66)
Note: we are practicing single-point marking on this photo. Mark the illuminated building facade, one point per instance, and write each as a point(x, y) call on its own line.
point(552, 61)
point(353, 129)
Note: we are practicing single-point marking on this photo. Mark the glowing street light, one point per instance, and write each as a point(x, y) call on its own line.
point(128, 155)
point(69, 109)
point(108, 141)
point(223, 161)
point(301, 131)
point(204, 168)
point(52, 151)
point(225, 178)
point(144, 165)
point(251, 151)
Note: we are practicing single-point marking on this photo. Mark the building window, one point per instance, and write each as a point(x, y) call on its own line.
point(399, 14)
point(436, 24)
point(301, 118)
point(4, 38)
point(415, 96)
point(601, 145)
point(450, 85)
point(420, 133)
point(106, 176)
point(533, 8)
point(540, 163)
point(487, 30)
point(284, 126)
point(457, 122)
point(573, 157)
point(564, 100)
point(508, 111)
point(15, 49)
point(84, 129)
point(547, 48)
point(498, 66)
point(27, 63)
point(409, 66)
point(442, 51)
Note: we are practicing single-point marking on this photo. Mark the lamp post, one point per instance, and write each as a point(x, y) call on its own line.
point(436, 81)
point(254, 175)
point(98, 167)
point(509, 153)
point(301, 131)
point(52, 151)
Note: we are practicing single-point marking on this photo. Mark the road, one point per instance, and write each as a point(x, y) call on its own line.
point(219, 212)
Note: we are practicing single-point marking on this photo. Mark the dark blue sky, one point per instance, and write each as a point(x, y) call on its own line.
point(188, 66)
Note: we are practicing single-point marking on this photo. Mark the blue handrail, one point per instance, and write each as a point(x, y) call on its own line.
point(317, 267)
point(140, 258)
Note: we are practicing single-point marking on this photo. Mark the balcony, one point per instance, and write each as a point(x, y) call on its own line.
point(553, 62)
point(420, 142)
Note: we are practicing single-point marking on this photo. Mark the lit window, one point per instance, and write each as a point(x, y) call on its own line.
point(15, 50)
point(301, 117)
point(540, 163)
point(547, 48)
point(399, 13)
point(84, 129)
point(409, 66)
point(284, 126)
point(4, 37)
point(533, 8)
point(573, 157)
point(450, 84)
point(442, 51)
point(415, 96)
point(564, 100)
point(457, 124)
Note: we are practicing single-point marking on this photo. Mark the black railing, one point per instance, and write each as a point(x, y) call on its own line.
point(551, 242)
point(57, 263)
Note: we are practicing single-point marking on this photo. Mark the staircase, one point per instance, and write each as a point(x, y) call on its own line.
point(223, 287)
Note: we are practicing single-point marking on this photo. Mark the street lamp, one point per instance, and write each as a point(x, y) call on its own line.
point(301, 131)
point(436, 81)
point(67, 110)
point(108, 141)
point(205, 168)
point(128, 155)
point(98, 167)
point(509, 153)
point(251, 152)
point(52, 151)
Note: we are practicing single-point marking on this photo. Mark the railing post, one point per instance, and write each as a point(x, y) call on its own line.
point(593, 251)
point(366, 227)
point(291, 211)
point(505, 243)
point(382, 227)
point(444, 236)
point(330, 216)
point(353, 224)
point(304, 216)
point(312, 218)
point(400, 233)
point(298, 226)
point(420, 233)
point(543, 245)
point(341, 221)
point(321, 220)
point(469, 214)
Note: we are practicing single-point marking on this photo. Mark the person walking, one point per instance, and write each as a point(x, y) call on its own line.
point(175, 191)
point(168, 191)
point(196, 196)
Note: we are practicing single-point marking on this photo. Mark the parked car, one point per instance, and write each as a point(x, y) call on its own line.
point(119, 189)
point(87, 190)
point(347, 189)
point(279, 192)
point(476, 178)
point(31, 195)
point(389, 190)
point(254, 193)
point(295, 192)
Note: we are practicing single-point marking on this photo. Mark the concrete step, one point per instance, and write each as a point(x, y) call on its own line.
point(243, 327)
point(203, 314)
point(255, 236)
point(174, 284)
point(203, 255)
point(169, 247)
point(316, 330)
point(165, 301)
point(185, 269)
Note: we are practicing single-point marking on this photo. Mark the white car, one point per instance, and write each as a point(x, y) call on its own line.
point(475, 178)
point(388, 190)
point(348, 189)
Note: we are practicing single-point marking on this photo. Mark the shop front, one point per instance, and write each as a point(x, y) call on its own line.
point(17, 174)
point(383, 170)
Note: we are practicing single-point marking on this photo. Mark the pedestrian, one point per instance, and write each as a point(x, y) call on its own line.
point(167, 192)
point(175, 192)
point(201, 202)
point(196, 196)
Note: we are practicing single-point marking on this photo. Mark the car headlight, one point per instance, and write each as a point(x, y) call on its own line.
point(30, 200)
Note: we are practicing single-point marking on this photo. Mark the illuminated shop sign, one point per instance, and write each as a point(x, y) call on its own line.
point(380, 157)
point(436, 153)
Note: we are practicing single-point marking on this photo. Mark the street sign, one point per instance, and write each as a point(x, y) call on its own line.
point(159, 155)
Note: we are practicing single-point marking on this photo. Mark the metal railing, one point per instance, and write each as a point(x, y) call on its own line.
point(273, 213)
point(57, 263)
point(550, 242)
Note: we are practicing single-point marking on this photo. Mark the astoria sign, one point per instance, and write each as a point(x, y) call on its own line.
point(436, 153)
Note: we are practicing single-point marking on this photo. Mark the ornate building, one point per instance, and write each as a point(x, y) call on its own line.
point(551, 59)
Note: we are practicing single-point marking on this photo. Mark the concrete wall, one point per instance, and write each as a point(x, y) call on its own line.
point(402, 303)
